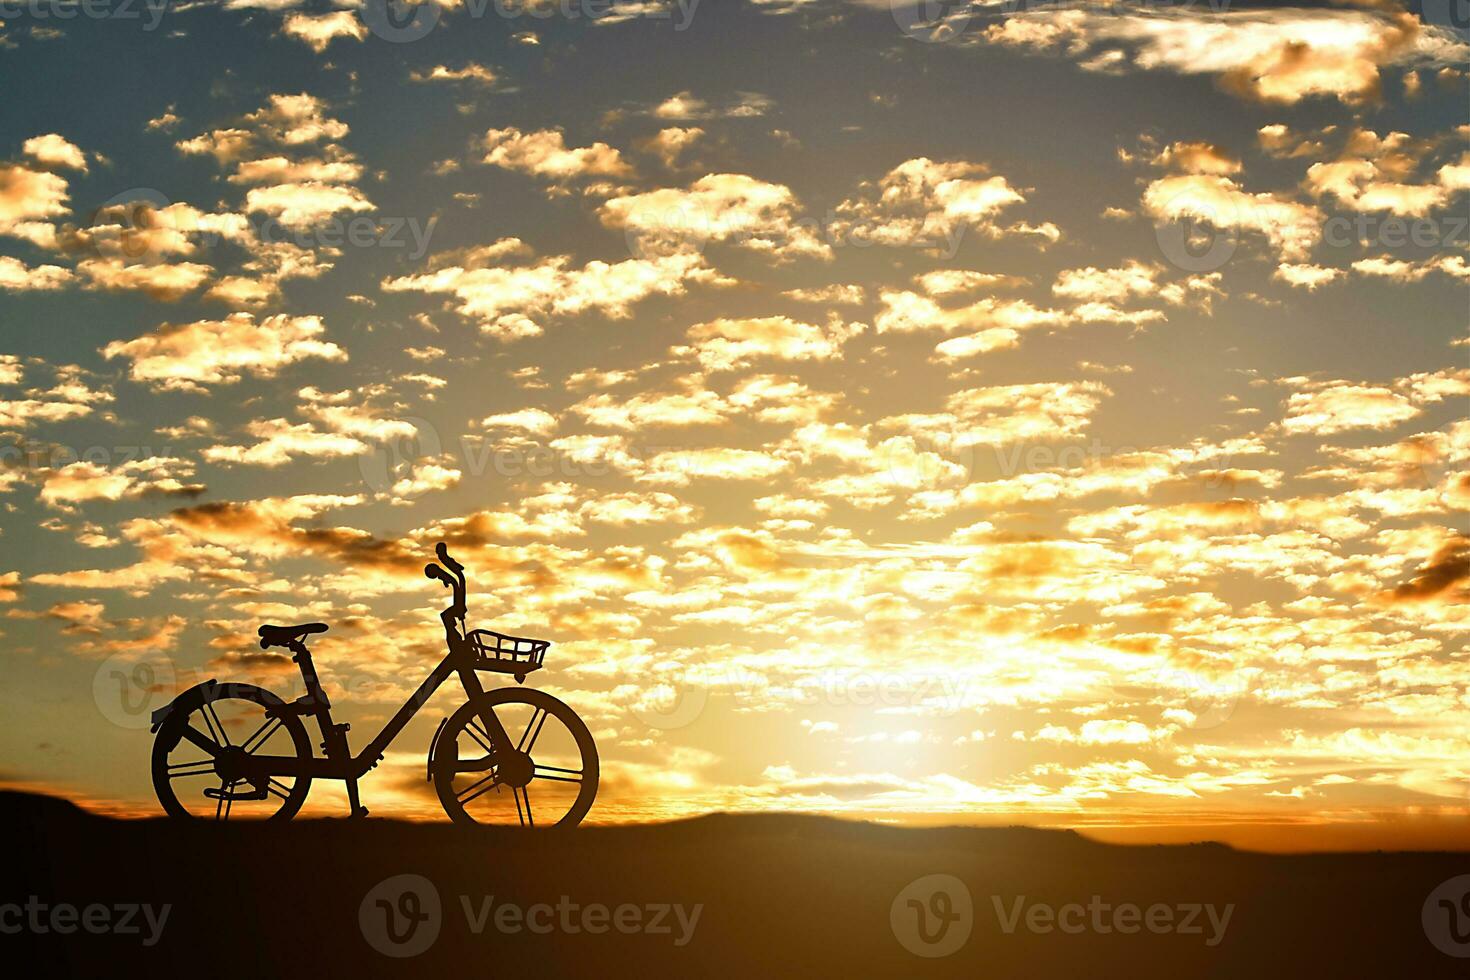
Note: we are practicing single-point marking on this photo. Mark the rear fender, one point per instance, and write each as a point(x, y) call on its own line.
point(434, 745)
point(211, 689)
point(186, 701)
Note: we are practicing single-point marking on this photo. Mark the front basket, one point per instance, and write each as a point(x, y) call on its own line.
point(506, 654)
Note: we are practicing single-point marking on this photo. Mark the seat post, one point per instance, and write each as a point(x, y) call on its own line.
point(301, 657)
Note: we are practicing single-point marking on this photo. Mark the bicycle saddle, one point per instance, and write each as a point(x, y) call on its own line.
point(279, 636)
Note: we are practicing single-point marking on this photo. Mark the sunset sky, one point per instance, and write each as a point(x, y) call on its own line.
point(1039, 413)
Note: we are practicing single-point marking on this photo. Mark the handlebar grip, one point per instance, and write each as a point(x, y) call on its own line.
point(443, 554)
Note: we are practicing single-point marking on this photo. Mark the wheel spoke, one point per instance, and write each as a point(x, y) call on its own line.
point(533, 729)
point(212, 719)
point(482, 786)
point(263, 734)
point(475, 732)
point(525, 815)
point(202, 767)
point(558, 774)
point(195, 737)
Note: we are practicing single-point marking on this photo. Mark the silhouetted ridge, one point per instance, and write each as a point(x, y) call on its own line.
point(780, 894)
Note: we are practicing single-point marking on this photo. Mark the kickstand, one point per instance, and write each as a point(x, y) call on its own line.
point(358, 811)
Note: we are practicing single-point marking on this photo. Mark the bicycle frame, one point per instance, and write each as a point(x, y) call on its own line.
point(315, 704)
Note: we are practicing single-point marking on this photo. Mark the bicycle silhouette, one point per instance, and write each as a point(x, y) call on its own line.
point(473, 756)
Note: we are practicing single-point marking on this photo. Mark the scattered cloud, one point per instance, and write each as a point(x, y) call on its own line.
point(190, 356)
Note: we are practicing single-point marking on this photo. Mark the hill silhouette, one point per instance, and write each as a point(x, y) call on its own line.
point(778, 894)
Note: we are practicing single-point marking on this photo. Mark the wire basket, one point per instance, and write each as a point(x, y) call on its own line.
point(506, 654)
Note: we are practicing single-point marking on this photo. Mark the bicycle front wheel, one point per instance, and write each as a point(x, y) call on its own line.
point(546, 777)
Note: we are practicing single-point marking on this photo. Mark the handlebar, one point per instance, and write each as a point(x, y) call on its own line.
point(450, 563)
point(455, 582)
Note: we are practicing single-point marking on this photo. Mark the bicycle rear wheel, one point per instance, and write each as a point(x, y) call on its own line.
point(546, 778)
point(197, 748)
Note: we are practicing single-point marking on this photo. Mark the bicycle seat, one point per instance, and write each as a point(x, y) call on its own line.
point(279, 636)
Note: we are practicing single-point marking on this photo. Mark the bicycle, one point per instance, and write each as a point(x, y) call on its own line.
point(473, 757)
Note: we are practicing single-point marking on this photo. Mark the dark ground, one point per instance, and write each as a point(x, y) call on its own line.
point(782, 896)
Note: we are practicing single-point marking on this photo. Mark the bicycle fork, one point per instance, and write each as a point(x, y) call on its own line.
point(499, 738)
